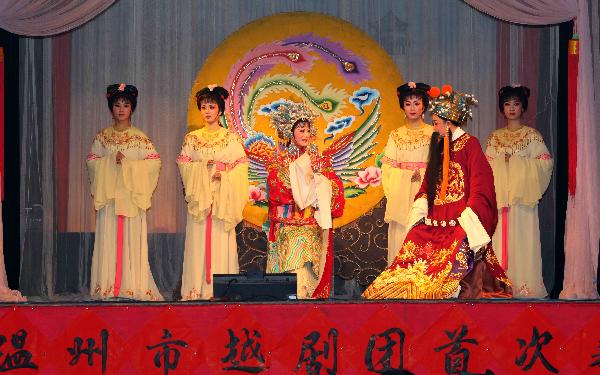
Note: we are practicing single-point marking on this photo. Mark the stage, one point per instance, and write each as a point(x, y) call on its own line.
point(320, 337)
point(346, 61)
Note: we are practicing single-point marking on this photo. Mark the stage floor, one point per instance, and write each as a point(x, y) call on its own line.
point(345, 337)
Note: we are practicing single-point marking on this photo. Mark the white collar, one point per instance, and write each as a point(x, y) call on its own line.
point(457, 133)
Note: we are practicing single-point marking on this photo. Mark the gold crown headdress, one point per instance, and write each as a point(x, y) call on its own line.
point(451, 105)
point(287, 114)
point(454, 106)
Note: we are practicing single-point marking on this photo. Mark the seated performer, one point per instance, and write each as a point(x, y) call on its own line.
point(522, 168)
point(447, 251)
point(214, 170)
point(304, 195)
point(404, 162)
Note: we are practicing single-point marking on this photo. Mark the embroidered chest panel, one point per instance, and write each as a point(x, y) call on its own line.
point(409, 140)
point(114, 140)
point(460, 143)
point(209, 141)
point(511, 142)
point(456, 185)
point(278, 168)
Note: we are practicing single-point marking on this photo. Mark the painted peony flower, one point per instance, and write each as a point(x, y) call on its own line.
point(371, 176)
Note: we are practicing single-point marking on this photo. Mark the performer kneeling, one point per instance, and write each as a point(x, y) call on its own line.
point(124, 168)
point(304, 194)
point(447, 252)
point(214, 170)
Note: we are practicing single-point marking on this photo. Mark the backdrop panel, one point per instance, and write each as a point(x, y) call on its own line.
point(160, 46)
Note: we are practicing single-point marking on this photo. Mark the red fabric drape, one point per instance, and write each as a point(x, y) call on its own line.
point(502, 64)
point(527, 70)
point(61, 91)
point(573, 66)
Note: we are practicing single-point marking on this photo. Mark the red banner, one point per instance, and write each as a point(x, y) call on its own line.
point(573, 68)
point(303, 338)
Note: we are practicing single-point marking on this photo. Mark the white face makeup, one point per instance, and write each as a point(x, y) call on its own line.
point(439, 124)
point(413, 107)
point(210, 112)
point(302, 136)
point(121, 110)
point(513, 109)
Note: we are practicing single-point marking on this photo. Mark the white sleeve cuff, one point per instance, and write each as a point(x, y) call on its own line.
point(303, 189)
point(476, 234)
point(417, 211)
point(323, 211)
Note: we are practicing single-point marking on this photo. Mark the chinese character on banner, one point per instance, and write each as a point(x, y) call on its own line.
point(167, 356)
point(249, 358)
point(596, 358)
point(21, 358)
point(392, 348)
point(77, 350)
point(456, 360)
point(537, 342)
point(310, 354)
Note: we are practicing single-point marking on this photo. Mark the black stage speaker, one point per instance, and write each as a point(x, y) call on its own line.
point(254, 287)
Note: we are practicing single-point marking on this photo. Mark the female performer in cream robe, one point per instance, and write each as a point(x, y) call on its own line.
point(522, 169)
point(404, 162)
point(214, 170)
point(124, 168)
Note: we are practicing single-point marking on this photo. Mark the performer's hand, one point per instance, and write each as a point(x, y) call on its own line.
point(506, 156)
point(416, 177)
point(119, 157)
point(216, 176)
point(310, 175)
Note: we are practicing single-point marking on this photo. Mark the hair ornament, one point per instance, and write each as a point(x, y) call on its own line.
point(289, 113)
point(453, 105)
point(434, 92)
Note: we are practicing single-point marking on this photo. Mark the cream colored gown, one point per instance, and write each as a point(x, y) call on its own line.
point(211, 203)
point(122, 190)
point(405, 152)
point(520, 184)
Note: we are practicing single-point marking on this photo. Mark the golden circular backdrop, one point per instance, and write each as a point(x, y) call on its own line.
point(329, 64)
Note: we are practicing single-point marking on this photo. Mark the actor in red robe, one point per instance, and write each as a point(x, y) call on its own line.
point(448, 253)
point(304, 196)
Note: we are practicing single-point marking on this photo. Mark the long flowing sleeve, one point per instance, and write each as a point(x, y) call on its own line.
point(311, 191)
point(232, 194)
point(338, 201)
point(534, 172)
point(140, 178)
point(196, 181)
point(102, 168)
point(420, 207)
point(395, 182)
point(524, 178)
point(480, 217)
point(495, 157)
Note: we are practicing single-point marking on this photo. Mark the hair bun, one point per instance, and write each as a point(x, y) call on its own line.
point(222, 92)
point(514, 91)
